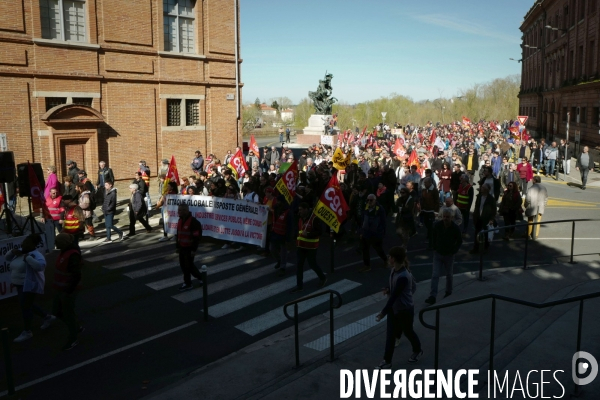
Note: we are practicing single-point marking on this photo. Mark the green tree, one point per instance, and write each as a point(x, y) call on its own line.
point(275, 105)
point(257, 103)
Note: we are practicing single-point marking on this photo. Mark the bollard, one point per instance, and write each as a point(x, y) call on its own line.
point(10, 383)
point(203, 272)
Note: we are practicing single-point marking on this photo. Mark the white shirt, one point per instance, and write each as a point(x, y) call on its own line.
point(251, 197)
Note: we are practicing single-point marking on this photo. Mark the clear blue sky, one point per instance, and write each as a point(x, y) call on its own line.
point(375, 48)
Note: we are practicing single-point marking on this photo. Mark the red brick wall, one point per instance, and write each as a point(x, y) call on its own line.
point(128, 73)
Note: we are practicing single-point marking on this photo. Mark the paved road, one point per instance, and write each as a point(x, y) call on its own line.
point(142, 334)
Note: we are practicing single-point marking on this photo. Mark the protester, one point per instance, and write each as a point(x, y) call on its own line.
point(307, 243)
point(51, 182)
point(535, 204)
point(399, 308)
point(72, 218)
point(67, 278)
point(510, 208)
point(483, 216)
point(137, 210)
point(372, 231)
point(447, 240)
point(585, 164)
point(27, 267)
point(109, 207)
point(187, 239)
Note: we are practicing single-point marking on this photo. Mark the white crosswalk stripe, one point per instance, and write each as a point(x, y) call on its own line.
point(344, 333)
point(247, 299)
point(219, 286)
point(169, 282)
point(204, 258)
point(275, 317)
point(108, 253)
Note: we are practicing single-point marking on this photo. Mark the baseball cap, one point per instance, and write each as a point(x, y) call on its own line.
point(165, 161)
point(69, 162)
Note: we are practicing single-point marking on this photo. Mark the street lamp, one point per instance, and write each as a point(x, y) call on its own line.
point(383, 114)
point(555, 29)
point(521, 60)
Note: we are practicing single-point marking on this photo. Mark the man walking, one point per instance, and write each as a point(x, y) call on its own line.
point(585, 163)
point(372, 231)
point(564, 153)
point(447, 240)
point(67, 275)
point(464, 200)
point(105, 174)
point(187, 239)
point(535, 203)
point(307, 243)
point(551, 155)
point(430, 204)
point(483, 215)
point(137, 210)
point(109, 207)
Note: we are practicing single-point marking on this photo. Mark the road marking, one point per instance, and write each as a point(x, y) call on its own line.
point(114, 254)
point(553, 202)
point(247, 299)
point(219, 286)
point(101, 357)
point(168, 282)
point(275, 317)
point(204, 258)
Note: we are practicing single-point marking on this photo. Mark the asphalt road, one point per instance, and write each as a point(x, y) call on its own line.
point(142, 335)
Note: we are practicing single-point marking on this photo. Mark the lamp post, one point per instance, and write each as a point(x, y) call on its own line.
point(383, 114)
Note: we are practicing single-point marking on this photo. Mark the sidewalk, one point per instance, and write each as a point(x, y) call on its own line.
point(524, 340)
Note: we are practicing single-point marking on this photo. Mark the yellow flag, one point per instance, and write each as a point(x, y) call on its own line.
point(340, 161)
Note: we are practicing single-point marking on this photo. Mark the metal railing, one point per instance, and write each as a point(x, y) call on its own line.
point(295, 318)
point(495, 297)
point(481, 238)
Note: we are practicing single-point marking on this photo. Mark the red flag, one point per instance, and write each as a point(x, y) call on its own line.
point(432, 137)
point(398, 148)
point(37, 194)
point(414, 160)
point(172, 175)
point(253, 145)
point(238, 165)
point(466, 120)
point(287, 183)
point(331, 207)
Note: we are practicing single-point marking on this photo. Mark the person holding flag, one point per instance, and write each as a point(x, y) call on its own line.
point(307, 243)
point(237, 164)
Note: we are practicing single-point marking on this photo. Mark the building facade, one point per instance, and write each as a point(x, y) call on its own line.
point(560, 80)
point(119, 81)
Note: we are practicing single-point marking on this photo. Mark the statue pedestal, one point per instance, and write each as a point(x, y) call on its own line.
point(315, 129)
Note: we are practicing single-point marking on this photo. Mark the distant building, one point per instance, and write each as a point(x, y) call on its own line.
point(268, 111)
point(287, 114)
point(560, 70)
point(118, 81)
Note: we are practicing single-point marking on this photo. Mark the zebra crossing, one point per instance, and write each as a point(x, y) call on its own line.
point(242, 286)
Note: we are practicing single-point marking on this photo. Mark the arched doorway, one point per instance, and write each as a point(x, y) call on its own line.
point(74, 136)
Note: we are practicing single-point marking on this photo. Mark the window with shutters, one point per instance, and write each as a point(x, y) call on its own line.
point(192, 112)
point(178, 24)
point(173, 112)
point(52, 102)
point(63, 20)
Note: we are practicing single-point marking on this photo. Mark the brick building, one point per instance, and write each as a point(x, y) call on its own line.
point(560, 70)
point(119, 81)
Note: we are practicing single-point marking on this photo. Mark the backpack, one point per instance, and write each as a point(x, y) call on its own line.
point(92, 201)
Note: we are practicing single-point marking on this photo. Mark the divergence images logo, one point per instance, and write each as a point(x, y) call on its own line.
point(581, 367)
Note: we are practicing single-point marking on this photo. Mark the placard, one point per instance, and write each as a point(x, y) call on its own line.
point(327, 139)
point(226, 219)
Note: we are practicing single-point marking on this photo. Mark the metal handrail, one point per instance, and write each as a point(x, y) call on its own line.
point(481, 238)
point(295, 318)
point(495, 297)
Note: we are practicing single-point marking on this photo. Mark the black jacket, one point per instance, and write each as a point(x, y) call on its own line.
point(74, 173)
point(489, 210)
point(564, 152)
point(142, 187)
point(136, 203)
point(591, 163)
point(104, 175)
point(474, 164)
point(110, 202)
point(446, 241)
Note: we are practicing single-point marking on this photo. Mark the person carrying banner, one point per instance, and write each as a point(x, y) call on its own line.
point(307, 243)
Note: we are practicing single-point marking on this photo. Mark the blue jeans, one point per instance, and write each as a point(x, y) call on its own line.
point(444, 195)
point(441, 263)
point(108, 222)
point(550, 164)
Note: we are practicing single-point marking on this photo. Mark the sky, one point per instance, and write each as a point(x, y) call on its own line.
point(374, 48)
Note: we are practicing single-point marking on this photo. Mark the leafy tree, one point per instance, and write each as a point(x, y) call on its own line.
point(275, 105)
point(257, 103)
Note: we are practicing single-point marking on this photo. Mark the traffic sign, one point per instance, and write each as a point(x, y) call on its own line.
point(522, 119)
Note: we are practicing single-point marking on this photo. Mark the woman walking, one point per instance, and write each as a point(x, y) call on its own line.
point(27, 274)
point(400, 309)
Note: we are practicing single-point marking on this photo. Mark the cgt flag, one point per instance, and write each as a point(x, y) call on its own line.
point(414, 160)
point(341, 161)
point(172, 175)
point(37, 194)
point(254, 146)
point(286, 185)
point(238, 165)
point(399, 149)
point(466, 121)
point(331, 207)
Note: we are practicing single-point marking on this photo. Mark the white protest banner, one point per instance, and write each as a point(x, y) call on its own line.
point(327, 139)
point(6, 289)
point(225, 219)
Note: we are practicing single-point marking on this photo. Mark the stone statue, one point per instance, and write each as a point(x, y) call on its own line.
point(322, 96)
